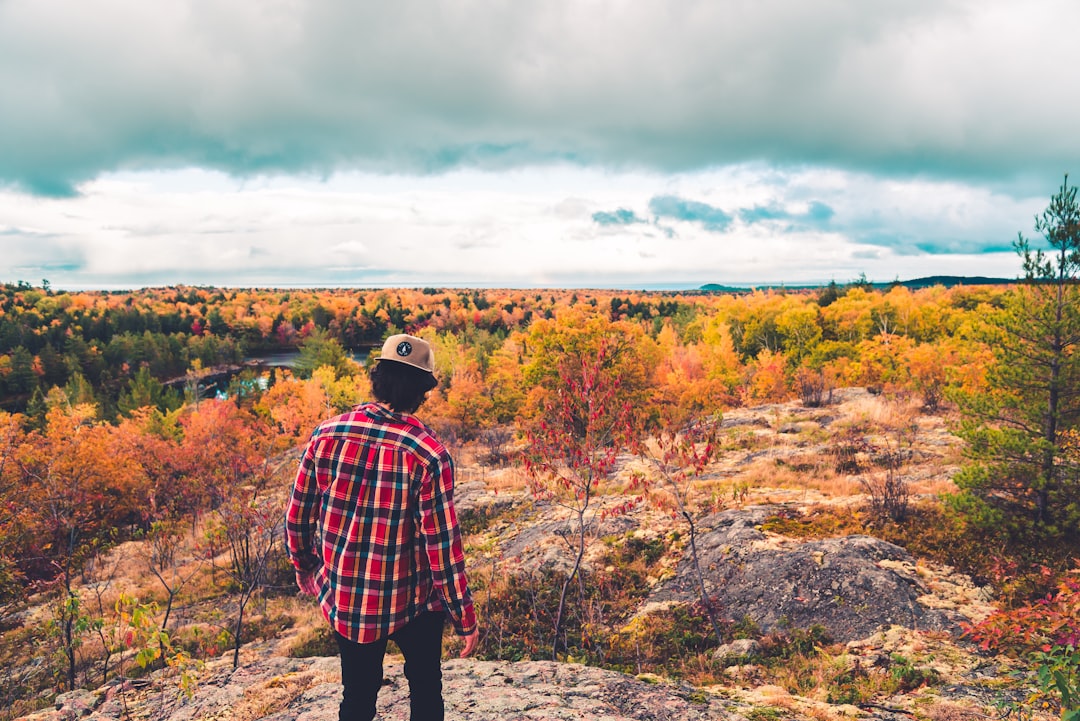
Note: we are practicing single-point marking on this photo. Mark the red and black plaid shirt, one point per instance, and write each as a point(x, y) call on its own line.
point(372, 514)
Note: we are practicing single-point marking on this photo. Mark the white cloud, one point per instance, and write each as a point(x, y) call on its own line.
point(531, 227)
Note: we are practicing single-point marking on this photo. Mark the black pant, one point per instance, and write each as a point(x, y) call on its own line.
point(420, 642)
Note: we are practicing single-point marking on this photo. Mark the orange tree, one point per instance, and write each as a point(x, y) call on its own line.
point(468, 405)
point(151, 440)
point(239, 457)
point(293, 406)
point(695, 378)
point(222, 446)
point(76, 487)
point(766, 378)
point(11, 437)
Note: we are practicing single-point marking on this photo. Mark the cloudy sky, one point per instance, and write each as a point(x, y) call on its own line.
point(613, 143)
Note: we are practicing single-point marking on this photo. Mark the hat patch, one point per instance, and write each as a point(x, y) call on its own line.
point(404, 349)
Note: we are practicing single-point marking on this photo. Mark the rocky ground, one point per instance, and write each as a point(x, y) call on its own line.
point(872, 597)
point(273, 688)
point(279, 689)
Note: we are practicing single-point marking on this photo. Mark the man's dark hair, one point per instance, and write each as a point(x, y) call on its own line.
point(400, 386)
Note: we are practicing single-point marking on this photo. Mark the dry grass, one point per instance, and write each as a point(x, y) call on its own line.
point(503, 480)
point(779, 454)
point(941, 710)
point(882, 411)
point(276, 694)
point(948, 711)
point(932, 487)
point(308, 627)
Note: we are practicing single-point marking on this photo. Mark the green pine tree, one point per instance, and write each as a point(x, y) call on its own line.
point(146, 391)
point(318, 350)
point(22, 378)
point(1019, 479)
point(79, 390)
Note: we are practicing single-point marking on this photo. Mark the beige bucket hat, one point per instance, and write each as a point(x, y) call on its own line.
point(410, 350)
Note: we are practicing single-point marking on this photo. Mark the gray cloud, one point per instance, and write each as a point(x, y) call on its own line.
point(909, 233)
point(621, 216)
point(917, 238)
point(939, 87)
point(951, 245)
point(817, 215)
point(690, 211)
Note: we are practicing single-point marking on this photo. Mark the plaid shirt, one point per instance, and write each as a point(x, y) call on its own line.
point(372, 514)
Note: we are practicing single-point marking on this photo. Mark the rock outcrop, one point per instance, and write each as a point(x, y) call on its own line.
point(283, 689)
point(852, 586)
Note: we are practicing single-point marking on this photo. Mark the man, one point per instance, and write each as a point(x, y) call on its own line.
point(371, 530)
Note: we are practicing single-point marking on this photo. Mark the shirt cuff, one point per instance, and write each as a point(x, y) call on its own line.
point(467, 624)
point(306, 563)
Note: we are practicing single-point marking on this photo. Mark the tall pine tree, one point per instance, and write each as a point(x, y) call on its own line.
point(1020, 480)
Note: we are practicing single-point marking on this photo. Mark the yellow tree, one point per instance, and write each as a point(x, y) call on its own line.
point(554, 348)
point(504, 380)
point(468, 404)
point(850, 317)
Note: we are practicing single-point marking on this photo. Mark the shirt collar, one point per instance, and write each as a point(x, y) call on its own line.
point(384, 413)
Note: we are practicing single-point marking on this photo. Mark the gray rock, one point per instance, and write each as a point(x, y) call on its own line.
point(277, 689)
point(474, 497)
point(837, 583)
point(543, 544)
point(77, 703)
point(736, 650)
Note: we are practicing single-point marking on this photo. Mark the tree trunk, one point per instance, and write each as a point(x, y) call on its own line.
point(165, 622)
point(566, 585)
point(705, 600)
point(69, 647)
point(1049, 466)
point(239, 628)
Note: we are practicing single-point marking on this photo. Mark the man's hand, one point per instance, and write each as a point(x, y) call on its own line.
point(307, 583)
point(470, 643)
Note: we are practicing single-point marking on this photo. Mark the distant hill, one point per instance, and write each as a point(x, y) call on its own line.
point(949, 281)
point(945, 280)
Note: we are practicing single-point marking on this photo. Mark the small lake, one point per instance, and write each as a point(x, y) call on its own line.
point(274, 359)
point(289, 358)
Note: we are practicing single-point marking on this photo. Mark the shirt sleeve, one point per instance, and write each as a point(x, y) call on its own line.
point(442, 543)
point(301, 516)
